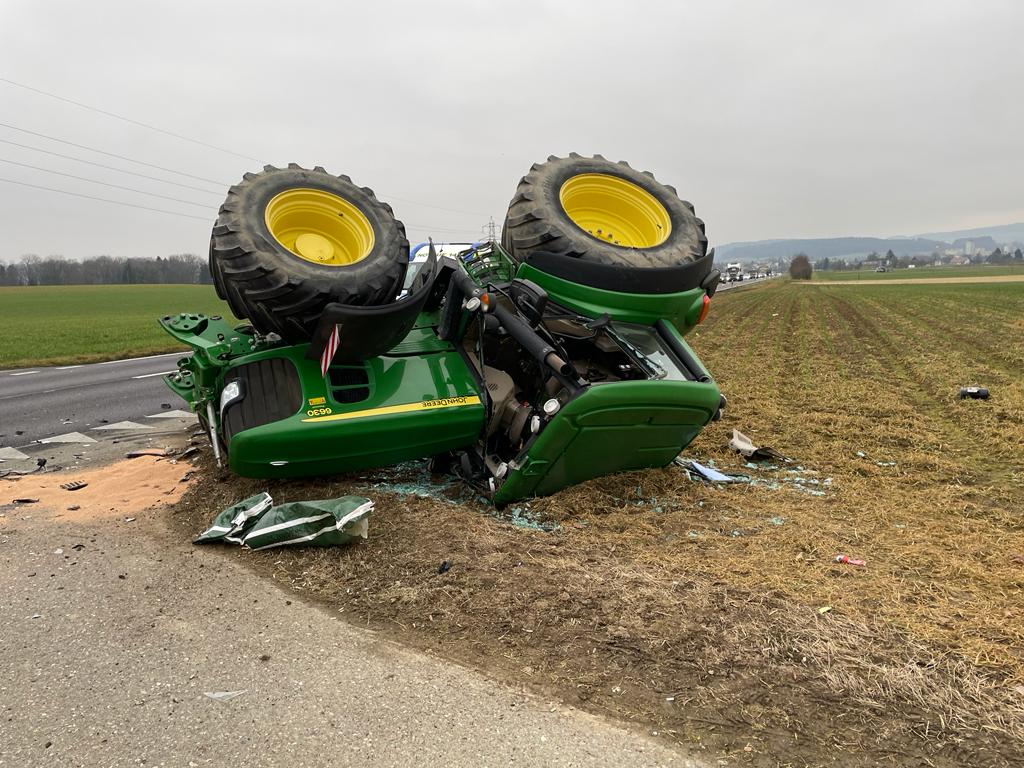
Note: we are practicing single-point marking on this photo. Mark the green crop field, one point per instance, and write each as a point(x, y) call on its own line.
point(924, 273)
point(56, 325)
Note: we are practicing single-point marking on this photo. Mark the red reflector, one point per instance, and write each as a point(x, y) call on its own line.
point(704, 309)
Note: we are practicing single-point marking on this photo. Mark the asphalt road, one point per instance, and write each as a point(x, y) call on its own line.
point(44, 402)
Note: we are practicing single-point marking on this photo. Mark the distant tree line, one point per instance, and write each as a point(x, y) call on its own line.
point(105, 270)
point(892, 261)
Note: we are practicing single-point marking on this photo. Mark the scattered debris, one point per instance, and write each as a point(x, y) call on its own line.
point(847, 560)
point(710, 474)
point(25, 501)
point(74, 508)
point(974, 393)
point(74, 485)
point(146, 452)
point(224, 695)
point(190, 451)
point(445, 566)
point(743, 445)
point(231, 523)
point(256, 524)
point(129, 519)
point(825, 609)
point(777, 520)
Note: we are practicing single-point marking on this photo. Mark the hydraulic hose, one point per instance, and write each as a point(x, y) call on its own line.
point(528, 338)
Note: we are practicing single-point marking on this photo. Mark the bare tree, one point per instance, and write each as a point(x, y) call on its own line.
point(800, 267)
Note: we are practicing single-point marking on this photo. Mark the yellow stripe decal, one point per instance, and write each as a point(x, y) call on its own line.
point(447, 402)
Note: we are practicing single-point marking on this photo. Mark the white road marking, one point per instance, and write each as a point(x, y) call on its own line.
point(148, 375)
point(123, 425)
point(70, 437)
point(22, 373)
point(67, 367)
point(147, 357)
point(173, 415)
point(12, 454)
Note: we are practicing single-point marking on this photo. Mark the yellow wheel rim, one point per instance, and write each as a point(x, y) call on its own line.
point(615, 211)
point(319, 227)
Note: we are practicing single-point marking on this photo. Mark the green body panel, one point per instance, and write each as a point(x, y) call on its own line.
point(419, 372)
point(680, 309)
point(613, 427)
point(419, 405)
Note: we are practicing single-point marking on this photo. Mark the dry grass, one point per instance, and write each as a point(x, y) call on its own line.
point(694, 610)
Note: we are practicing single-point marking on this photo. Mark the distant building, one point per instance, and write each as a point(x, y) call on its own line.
point(960, 261)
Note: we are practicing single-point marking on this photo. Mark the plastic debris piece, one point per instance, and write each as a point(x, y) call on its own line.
point(777, 520)
point(710, 474)
point(25, 501)
point(745, 447)
point(223, 695)
point(319, 523)
point(74, 485)
point(974, 393)
point(847, 560)
point(445, 566)
point(148, 452)
point(825, 609)
point(861, 454)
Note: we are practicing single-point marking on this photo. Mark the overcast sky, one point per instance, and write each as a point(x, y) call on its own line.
point(781, 119)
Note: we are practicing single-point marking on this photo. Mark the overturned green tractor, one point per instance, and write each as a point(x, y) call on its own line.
point(523, 366)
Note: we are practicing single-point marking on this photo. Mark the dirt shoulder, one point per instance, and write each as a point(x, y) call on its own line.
point(612, 611)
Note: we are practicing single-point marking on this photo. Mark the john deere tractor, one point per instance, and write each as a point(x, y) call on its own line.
point(525, 366)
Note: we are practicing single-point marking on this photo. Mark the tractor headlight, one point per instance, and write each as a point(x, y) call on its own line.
point(231, 393)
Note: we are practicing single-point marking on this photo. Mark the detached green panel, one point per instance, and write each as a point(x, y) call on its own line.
point(680, 309)
point(612, 427)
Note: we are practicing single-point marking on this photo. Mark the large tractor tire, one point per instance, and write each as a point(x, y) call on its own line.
point(603, 212)
point(289, 241)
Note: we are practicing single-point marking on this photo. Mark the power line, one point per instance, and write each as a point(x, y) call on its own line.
point(112, 154)
point(425, 205)
point(105, 183)
point(106, 200)
point(126, 119)
point(108, 167)
point(192, 176)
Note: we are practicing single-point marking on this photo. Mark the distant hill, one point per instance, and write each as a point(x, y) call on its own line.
point(1001, 233)
point(819, 248)
point(846, 247)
